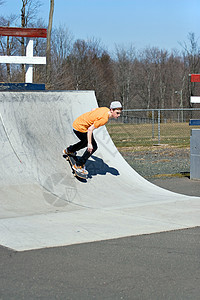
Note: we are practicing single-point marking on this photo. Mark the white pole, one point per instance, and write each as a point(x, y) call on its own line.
point(29, 69)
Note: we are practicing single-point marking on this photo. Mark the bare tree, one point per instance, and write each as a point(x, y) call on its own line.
point(8, 45)
point(191, 51)
point(90, 68)
point(28, 13)
point(39, 49)
point(124, 73)
point(61, 48)
point(147, 81)
point(191, 56)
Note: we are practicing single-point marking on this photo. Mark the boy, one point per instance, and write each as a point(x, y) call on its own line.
point(84, 126)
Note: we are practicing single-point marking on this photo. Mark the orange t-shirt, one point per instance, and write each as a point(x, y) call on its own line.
point(97, 117)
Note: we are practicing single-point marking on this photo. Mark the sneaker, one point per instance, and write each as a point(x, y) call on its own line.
point(78, 169)
point(67, 152)
point(84, 170)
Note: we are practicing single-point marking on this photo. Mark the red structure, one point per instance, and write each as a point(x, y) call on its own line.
point(23, 32)
point(28, 59)
point(195, 77)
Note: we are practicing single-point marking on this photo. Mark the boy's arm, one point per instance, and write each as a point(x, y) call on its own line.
point(89, 137)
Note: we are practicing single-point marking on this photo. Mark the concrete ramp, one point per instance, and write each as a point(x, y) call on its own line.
point(43, 205)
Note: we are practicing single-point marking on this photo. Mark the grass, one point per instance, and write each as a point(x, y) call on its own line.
point(131, 135)
point(179, 175)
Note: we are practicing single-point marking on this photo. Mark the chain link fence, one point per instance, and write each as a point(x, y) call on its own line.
point(153, 126)
point(155, 141)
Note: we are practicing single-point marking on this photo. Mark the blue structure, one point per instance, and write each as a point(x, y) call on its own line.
point(21, 87)
point(194, 122)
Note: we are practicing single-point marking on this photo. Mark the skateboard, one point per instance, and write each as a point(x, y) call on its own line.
point(72, 160)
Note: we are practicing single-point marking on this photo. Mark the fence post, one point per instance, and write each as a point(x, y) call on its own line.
point(159, 127)
point(152, 124)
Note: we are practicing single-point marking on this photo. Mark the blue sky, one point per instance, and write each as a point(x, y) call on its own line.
point(142, 23)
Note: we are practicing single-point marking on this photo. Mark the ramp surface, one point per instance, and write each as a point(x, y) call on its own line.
point(43, 205)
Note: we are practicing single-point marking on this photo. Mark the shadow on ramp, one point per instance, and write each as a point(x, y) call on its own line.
point(96, 166)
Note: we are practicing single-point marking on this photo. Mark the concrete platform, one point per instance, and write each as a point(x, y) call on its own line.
point(148, 267)
point(43, 205)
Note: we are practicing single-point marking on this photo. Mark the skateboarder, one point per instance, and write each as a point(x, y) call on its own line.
point(84, 126)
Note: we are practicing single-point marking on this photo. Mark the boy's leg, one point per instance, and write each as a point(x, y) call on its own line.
point(82, 160)
point(81, 144)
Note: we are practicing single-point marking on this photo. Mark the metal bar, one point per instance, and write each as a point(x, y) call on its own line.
point(36, 60)
point(25, 32)
point(161, 109)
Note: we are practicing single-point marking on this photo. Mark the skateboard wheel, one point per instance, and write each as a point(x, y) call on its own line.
point(67, 158)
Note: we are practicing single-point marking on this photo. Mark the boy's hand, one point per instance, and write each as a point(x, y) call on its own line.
point(90, 148)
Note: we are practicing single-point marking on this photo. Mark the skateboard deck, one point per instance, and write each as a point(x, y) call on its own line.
point(72, 160)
